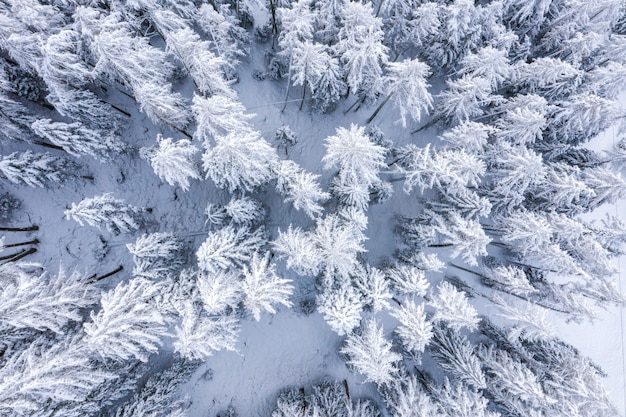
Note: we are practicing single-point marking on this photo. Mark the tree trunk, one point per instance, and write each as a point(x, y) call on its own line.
point(14, 245)
point(19, 229)
point(379, 108)
point(303, 95)
point(49, 145)
point(21, 255)
point(288, 83)
point(431, 123)
point(95, 278)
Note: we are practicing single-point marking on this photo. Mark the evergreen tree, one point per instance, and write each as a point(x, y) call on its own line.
point(407, 86)
point(128, 326)
point(415, 330)
point(228, 247)
point(262, 288)
point(35, 169)
point(77, 139)
point(240, 160)
point(451, 306)
point(341, 306)
point(32, 298)
point(371, 355)
point(173, 161)
point(108, 212)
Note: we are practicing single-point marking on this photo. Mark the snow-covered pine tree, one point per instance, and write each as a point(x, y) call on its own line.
point(354, 154)
point(199, 335)
point(300, 188)
point(511, 381)
point(229, 247)
point(218, 116)
point(219, 292)
point(35, 169)
point(360, 46)
point(451, 306)
point(228, 39)
point(308, 63)
point(456, 355)
point(415, 330)
point(240, 160)
point(106, 211)
point(338, 244)
point(299, 250)
point(341, 306)
point(464, 98)
point(173, 161)
point(128, 326)
point(262, 288)
point(370, 354)
point(33, 298)
point(330, 85)
point(469, 136)
point(162, 106)
point(39, 379)
point(531, 321)
point(406, 397)
point(489, 63)
point(457, 400)
point(466, 236)
point(160, 395)
point(408, 279)
point(77, 139)
point(156, 255)
point(406, 86)
point(245, 211)
point(374, 288)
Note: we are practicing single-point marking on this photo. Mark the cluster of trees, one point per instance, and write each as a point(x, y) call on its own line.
point(525, 86)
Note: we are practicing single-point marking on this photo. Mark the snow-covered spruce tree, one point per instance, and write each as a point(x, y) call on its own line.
point(229, 247)
point(427, 168)
point(108, 212)
point(370, 354)
point(300, 188)
point(459, 400)
point(240, 160)
point(262, 288)
point(128, 326)
point(227, 38)
point(296, 29)
point(217, 116)
point(359, 161)
point(338, 243)
point(219, 292)
point(33, 298)
point(77, 139)
point(406, 397)
point(198, 336)
point(341, 306)
point(15, 119)
point(451, 306)
point(456, 355)
point(160, 394)
point(374, 288)
point(407, 87)
point(415, 330)
point(40, 378)
point(308, 63)
point(35, 169)
point(156, 255)
point(299, 250)
point(408, 279)
point(173, 161)
point(245, 211)
point(360, 47)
